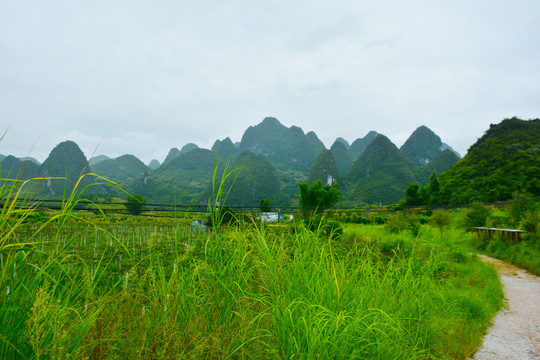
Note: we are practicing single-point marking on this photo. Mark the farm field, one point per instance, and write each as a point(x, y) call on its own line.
point(147, 288)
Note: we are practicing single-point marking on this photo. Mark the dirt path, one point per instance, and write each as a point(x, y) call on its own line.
point(515, 333)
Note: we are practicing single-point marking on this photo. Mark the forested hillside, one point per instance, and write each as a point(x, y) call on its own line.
point(504, 161)
point(381, 174)
point(122, 170)
point(252, 178)
point(64, 166)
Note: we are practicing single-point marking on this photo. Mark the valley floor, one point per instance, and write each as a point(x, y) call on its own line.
point(515, 333)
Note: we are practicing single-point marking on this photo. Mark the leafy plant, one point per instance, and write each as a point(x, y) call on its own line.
point(218, 213)
point(315, 198)
point(476, 216)
point(440, 219)
point(266, 205)
point(135, 204)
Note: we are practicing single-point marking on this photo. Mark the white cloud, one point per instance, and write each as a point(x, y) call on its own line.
point(181, 72)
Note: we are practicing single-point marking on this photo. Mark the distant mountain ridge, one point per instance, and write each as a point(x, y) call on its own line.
point(185, 174)
point(342, 157)
point(287, 148)
point(15, 167)
point(64, 166)
point(96, 159)
point(324, 168)
point(122, 170)
point(359, 145)
point(422, 146)
point(381, 174)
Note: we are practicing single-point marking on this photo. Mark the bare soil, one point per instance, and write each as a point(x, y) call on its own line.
point(515, 333)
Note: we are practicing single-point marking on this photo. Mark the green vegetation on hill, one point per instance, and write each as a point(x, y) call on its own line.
point(445, 146)
point(122, 170)
point(381, 174)
point(341, 155)
point(180, 180)
point(96, 159)
point(440, 164)
point(286, 148)
point(443, 161)
point(289, 182)
point(64, 166)
point(503, 161)
point(173, 153)
point(344, 142)
point(159, 192)
point(253, 178)
point(188, 147)
point(29, 158)
point(359, 145)
point(154, 164)
point(225, 149)
point(422, 146)
point(291, 152)
point(324, 168)
point(12, 167)
point(317, 143)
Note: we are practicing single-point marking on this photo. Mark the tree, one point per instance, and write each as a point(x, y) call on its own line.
point(411, 195)
point(135, 204)
point(440, 219)
point(434, 188)
point(477, 215)
point(434, 185)
point(314, 198)
point(266, 205)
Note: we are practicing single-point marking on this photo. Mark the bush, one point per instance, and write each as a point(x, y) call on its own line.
point(35, 217)
point(440, 219)
point(399, 222)
point(477, 216)
point(135, 204)
point(529, 222)
point(518, 208)
point(266, 205)
point(396, 223)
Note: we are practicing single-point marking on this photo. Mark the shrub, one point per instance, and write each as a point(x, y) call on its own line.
point(518, 208)
point(477, 216)
point(396, 223)
point(135, 204)
point(440, 219)
point(266, 205)
point(529, 222)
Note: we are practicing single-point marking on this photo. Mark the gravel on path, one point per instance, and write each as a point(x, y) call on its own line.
point(515, 333)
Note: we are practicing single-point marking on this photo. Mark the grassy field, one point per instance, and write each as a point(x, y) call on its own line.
point(135, 288)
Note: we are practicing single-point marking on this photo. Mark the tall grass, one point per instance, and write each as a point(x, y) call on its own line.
point(252, 293)
point(83, 286)
point(40, 301)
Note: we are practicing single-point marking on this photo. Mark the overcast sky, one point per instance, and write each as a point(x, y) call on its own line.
point(141, 77)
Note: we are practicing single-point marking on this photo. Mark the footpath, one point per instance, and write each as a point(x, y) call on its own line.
point(515, 333)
